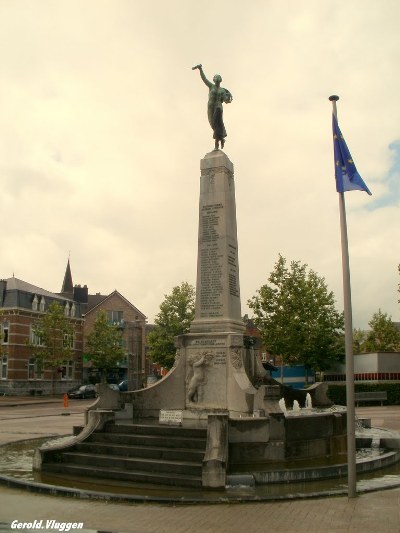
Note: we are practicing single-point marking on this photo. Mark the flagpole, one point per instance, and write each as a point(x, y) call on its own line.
point(348, 330)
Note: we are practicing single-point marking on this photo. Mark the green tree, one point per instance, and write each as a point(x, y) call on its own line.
point(176, 314)
point(297, 318)
point(359, 338)
point(53, 338)
point(383, 336)
point(103, 345)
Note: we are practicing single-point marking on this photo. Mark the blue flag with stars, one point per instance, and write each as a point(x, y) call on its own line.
point(346, 174)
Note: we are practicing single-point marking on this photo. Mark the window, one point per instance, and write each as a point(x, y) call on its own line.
point(115, 317)
point(31, 368)
point(73, 310)
point(66, 309)
point(5, 329)
point(35, 339)
point(3, 367)
point(42, 304)
point(35, 303)
point(68, 341)
point(67, 370)
point(35, 370)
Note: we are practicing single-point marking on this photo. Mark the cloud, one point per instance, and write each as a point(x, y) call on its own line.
point(390, 184)
point(104, 124)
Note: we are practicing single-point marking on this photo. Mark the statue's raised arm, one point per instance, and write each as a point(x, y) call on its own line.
point(216, 96)
point(203, 77)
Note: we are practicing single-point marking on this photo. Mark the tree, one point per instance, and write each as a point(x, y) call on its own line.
point(399, 283)
point(176, 314)
point(383, 336)
point(53, 337)
point(359, 338)
point(297, 318)
point(104, 345)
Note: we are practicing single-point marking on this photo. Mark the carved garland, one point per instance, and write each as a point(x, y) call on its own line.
point(236, 358)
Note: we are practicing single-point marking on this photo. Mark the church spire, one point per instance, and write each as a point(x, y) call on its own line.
point(67, 287)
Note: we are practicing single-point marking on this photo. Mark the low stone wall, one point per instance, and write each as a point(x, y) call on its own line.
point(279, 438)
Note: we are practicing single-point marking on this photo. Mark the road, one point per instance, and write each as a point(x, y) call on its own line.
point(19, 421)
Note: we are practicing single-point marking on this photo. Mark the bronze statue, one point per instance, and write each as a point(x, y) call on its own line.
point(216, 96)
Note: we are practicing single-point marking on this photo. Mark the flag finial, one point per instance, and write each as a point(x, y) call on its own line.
point(334, 98)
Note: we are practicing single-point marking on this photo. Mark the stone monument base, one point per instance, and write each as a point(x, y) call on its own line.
point(215, 375)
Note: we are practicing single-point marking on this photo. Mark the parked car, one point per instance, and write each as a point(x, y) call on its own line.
point(114, 386)
point(84, 391)
point(123, 386)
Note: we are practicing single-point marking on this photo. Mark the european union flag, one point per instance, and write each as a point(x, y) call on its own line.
point(347, 177)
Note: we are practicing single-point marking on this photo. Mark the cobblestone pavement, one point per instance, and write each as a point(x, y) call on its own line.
point(377, 512)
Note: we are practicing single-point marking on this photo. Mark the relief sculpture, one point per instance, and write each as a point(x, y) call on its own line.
point(197, 375)
point(236, 358)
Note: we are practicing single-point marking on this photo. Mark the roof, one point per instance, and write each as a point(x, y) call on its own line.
point(95, 300)
point(15, 284)
point(67, 286)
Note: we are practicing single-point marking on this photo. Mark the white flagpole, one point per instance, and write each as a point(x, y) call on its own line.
point(348, 330)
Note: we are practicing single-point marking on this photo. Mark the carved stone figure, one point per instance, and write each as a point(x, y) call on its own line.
point(217, 95)
point(198, 362)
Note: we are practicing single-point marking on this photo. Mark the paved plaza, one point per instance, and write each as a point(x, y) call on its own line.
point(22, 419)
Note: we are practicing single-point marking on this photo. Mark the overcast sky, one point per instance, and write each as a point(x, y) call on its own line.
point(103, 125)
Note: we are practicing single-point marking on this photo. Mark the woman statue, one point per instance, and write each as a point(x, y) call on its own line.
point(216, 96)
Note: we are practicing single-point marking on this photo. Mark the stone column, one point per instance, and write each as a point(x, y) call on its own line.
point(217, 291)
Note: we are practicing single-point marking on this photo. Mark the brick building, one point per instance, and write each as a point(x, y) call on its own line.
point(132, 324)
point(21, 304)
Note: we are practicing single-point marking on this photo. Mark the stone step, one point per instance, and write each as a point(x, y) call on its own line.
point(159, 478)
point(151, 452)
point(149, 440)
point(132, 463)
point(155, 429)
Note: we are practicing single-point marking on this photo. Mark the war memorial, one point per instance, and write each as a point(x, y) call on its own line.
point(217, 418)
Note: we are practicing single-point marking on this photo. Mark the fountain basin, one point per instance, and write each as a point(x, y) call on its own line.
point(16, 471)
point(377, 469)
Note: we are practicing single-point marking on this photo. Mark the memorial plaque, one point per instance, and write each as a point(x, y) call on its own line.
point(211, 267)
point(207, 342)
point(170, 417)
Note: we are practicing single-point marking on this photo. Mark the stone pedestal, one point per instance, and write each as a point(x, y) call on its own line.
point(216, 379)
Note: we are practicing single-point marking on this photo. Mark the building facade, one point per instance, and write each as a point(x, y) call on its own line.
point(23, 304)
point(132, 324)
point(375, 367)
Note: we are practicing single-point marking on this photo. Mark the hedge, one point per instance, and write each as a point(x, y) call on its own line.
point(337, 393)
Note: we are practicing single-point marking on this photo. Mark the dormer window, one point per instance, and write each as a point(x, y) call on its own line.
point(66, 309)
point(42, 304)
point(73, 310)
point(35, 303)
